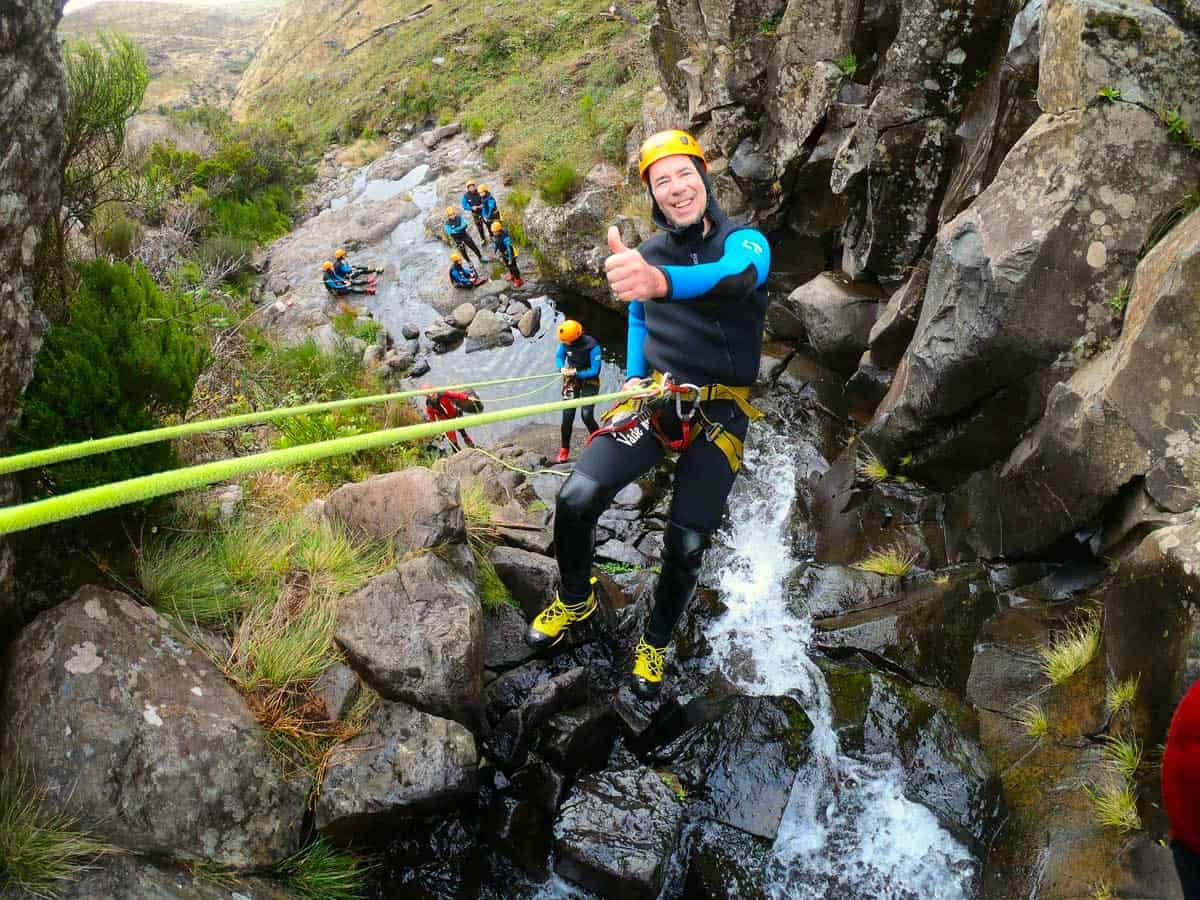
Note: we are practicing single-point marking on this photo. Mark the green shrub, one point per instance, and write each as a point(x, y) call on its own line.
point(259, 219)
point(126, 356)
point(116, 234)
point(558, 182)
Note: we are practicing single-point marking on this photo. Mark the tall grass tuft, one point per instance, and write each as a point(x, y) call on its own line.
point(1073, 649)
point(492, 593)
point(1123, 757)
point(38, 852)
point(1033, 720)
point(1123, 694)
point(277, 648)
point(870, 467)
point(1115, 806)
point(336, 560)
point(322, 872)
point(186, 578)
point(895, 559)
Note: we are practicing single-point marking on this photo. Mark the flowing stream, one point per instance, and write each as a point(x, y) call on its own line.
point(848, 830)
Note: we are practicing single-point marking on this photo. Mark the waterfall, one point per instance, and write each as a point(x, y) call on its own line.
point(848, 830)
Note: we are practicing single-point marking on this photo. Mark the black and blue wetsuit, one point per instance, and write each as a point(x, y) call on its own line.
point(343, 269)
point(504, 246)
point(584, 355)
point(707, 330)
point(472, 202)
point(490, 211)
point(457, 228)
point(462, 277)
point(337, 285)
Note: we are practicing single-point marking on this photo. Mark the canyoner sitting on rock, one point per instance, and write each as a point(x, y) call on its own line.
point(508, 252)
point(357, 274)
point(458, 230)
point(579, 360)
point(336, 285)
point(696, 307)
point(491, 212)
point(472, 202)
point(463, 276)
point(443, 405)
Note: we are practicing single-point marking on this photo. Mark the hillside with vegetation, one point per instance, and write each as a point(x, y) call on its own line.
point(558, 83)
point(196, 52)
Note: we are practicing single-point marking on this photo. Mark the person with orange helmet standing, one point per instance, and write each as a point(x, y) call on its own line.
point(579, 359)
point(507, 251)
point(458, 229)
point(472, 202)
point(697, 304)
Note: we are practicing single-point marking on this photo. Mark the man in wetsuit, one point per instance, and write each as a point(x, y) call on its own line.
point(578, 359)
point(508, 252)
point(489, 210)
point(442, 405)
point(458, 230)
point(472, 202)
point(696, 306)
point(357, 274)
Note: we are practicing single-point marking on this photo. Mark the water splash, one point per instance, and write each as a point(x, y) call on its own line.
point(848, 830)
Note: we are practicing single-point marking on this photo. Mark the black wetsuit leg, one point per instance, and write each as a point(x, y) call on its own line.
point(465, 243)
point(589, 388)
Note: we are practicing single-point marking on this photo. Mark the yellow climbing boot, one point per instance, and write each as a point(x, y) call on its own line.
point(552, 623)
point(648, 665)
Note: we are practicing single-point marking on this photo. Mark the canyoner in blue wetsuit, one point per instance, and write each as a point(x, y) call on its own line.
point(463, 276)
point(357, 274)
point(336, 285)
point(579, 359)
point(472, 202)
point(490, 211)
point(458, 230)
point(697, 305)
point(507, 250)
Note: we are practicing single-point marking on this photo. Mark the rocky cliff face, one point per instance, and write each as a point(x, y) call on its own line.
point(35, 96)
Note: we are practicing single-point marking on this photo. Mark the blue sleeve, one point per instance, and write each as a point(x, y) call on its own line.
point(595, 360)
point(743, 267)
point(560, 358)
point(635, 361)
point(448, 231)
point(465, 203)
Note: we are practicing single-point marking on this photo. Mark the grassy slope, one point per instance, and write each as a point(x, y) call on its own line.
point(196, 52)
point(521, 69)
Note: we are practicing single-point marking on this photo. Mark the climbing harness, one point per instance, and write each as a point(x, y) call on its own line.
point(688, 402)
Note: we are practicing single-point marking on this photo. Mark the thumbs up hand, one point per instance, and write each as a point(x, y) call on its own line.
point(629, 275)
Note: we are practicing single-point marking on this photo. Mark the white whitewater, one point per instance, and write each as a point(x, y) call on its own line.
point(848, 830)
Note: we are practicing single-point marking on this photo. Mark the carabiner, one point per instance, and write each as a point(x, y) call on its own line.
point(679, 391)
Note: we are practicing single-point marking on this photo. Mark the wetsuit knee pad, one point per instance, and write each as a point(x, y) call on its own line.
point(583, 498)
point(685, 546)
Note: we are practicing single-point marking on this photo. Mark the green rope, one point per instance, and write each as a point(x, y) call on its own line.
point(510, 466)
point(133, 490)
point(65, 452)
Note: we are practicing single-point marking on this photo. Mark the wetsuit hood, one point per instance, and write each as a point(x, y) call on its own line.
point(696, 230)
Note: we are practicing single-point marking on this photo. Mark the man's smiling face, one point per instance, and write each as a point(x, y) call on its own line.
point(678, 189)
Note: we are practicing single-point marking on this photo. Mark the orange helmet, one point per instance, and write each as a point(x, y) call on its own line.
point(569, 331)
point(470, 183)
point(340, 253)
point(667, 143)
point(327, 265)
point(449, 212)
point(455, 257)
point(497, 227)
point(483, 189)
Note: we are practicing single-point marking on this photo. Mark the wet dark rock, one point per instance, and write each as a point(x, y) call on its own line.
point(726, 863)
point(522, 832)
point(530, 577)
point(338, 689)
point(618, 551)
point(829, 590)
point(838, 315)
point(579, 739)
point(510, 742)
point(436, 857)
point(616, 831)
point(932, 734)
point(927, 627)
point(126, 729)
point(487, 330)
point(523, 528)
point(740, 760)
point(443, 335)
point(410, 331)
point(509, 690)
point(867, 387)
point(415, 634)
point(894, 328)
point(530, 322)
point(405, 763)
point(414, 508)
point(539, 783)
point(504, 638)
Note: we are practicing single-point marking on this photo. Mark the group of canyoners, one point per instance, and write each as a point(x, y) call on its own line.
point(697, 301)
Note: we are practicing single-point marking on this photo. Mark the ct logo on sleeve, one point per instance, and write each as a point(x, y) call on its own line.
point(748, 244)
